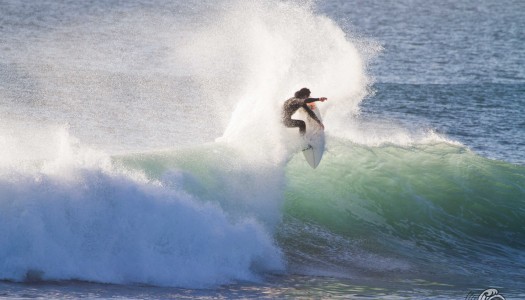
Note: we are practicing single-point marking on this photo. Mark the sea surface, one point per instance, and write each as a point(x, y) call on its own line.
point(142, 155)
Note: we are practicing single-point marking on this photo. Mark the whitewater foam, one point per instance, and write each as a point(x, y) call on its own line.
point(78, 217)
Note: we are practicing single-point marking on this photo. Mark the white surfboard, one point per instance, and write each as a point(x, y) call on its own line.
point(314, 140)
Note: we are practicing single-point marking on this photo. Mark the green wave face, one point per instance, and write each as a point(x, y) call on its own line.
point(428, 209)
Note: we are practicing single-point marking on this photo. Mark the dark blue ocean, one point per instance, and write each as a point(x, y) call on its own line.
point(142, 155)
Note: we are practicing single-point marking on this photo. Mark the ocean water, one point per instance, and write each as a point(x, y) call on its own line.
point(141, 153)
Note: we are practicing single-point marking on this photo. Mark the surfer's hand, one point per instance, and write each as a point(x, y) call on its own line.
point(322, 126)
point(322, 99)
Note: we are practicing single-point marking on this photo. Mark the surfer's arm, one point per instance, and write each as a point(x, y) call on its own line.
point(310, 100)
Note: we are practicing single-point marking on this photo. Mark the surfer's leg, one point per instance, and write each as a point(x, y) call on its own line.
point(302, 126)
point(296, 123)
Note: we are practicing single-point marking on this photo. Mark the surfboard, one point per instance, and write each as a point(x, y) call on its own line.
point(314, 139)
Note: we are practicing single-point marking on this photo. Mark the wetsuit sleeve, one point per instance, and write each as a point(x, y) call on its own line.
point(310, 112)
point(310, 100)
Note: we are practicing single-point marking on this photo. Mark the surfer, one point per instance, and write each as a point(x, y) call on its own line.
point(300, 99)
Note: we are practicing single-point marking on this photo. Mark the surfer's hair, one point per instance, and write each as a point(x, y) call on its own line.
point(302, 93)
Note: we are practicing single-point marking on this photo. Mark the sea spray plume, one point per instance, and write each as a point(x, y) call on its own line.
point(262, 52)
point(234, 62)
point(252, 55)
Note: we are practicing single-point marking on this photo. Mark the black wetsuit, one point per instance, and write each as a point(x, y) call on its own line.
point(291, 106)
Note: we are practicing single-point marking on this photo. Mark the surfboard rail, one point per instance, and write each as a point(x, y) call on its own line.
point(314, 139)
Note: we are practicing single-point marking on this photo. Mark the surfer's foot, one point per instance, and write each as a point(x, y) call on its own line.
point(308, 147)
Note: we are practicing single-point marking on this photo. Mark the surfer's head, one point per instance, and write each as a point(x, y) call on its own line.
point(302, 93)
